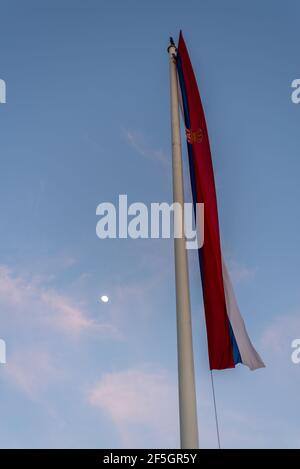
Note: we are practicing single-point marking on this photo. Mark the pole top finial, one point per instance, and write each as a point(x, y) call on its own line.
point(172, 44)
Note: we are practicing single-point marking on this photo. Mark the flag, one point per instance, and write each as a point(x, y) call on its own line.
point(228, 341)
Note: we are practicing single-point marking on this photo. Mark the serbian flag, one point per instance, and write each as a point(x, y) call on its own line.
point(228, 341)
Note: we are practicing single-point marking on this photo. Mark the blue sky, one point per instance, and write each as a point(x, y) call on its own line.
point(87, 119)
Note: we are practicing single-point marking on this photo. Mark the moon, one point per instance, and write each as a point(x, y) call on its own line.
point(104, 298)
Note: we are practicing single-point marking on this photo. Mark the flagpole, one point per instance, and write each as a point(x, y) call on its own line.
point(186, 373)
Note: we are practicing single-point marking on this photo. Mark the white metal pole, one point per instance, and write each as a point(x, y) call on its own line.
point(186, 373)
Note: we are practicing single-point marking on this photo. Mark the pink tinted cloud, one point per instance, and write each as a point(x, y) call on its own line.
point(31, 371)
point(30, 298)
point(136, 398)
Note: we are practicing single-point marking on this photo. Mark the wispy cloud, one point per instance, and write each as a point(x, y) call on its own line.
point(239, 273)
point(140, 144)
point(30, 308)
point(31, 371)
point(29, 297)
point(139, 399)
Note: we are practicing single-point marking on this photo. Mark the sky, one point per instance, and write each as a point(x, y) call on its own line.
point(87, 118)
